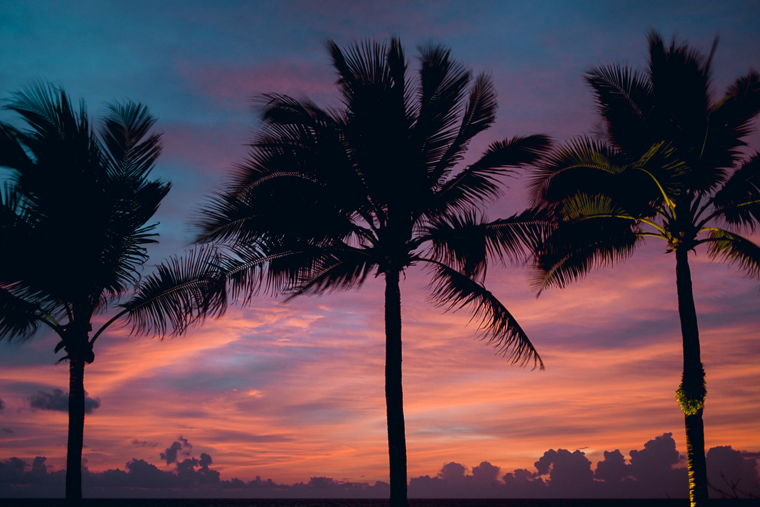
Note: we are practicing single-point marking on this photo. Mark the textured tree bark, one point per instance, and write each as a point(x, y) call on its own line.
point(76, 431)
point(692, 392)
point(394, 397)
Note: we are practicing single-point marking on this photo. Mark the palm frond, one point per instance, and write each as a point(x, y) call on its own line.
point(585, 166)
point(183, 291)
point(130, 148)
point(453, 290)
point(738, 201)
point(735, 249)
point(299, 140)
point(47, 109)
point(268, 268)
point(12, 154)
point(580, 165)
point(479, 115)
point(19, 318)
point(368, 67)
point(466, 242)
point(592, 233)
point(481, 182)
point(680, 79)
point(335, 270)
point(731, 118)
point(442, 89)
point(625, 101)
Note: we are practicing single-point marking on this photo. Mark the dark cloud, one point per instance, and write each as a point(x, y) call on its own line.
point(655, 471)
point(180, 446)
point(20, 479)
point(485, 474)
point(613, 469)
point(7, 431)
point(2, 404)
point(58, 400)
point(142, 443)
point(731, 474)
point(569, 473)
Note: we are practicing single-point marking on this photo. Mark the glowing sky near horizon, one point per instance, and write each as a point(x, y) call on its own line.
point(293, 390)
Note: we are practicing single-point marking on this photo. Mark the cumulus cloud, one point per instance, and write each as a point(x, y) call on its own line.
point(613, 469)
point(730, 474)
point(558, 473)
point(20, 479)
point(569, 473)
point(59, 400)
point(180, 446)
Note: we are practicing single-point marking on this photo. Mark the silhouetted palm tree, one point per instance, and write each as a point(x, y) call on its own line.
point(73, 228)
point(666, 170)
point(329, 197)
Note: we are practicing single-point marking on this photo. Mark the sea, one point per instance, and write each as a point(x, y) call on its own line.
point(131, 502)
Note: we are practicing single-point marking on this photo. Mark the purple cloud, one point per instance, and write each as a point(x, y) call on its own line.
point(143, 443)
point(180, 446)
point(558, 473)
point(59, 401)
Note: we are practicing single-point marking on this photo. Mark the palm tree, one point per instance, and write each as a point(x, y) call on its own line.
point(73, 226)
point(669, 167)
point(329, 197)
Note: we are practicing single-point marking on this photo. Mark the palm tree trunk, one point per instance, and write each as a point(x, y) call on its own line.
point(394, 396)
point(76, 431)
point(691, 393)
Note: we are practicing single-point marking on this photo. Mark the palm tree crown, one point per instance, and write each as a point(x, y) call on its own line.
point(74, 225)
point(669, 166)
point(327, 198)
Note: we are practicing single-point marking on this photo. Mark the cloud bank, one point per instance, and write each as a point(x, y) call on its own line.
point(656, 471)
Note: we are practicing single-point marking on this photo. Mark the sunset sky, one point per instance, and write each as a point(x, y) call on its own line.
point(293, 390)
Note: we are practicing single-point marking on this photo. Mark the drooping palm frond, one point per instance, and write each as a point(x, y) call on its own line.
point(735, 249)
point(731, 120)
point(581, 165)
point(267, 268)
point(335, 270)
point(19, 318)
point(738, 200)
point(12, 154)
point(466, 242)
point(182, 291)
point(12, 218)
point(593, 232)
point(585, 166)
point(289, 207)
point(453, 291)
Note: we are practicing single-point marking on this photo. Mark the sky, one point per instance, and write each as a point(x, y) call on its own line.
point(292, 391)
